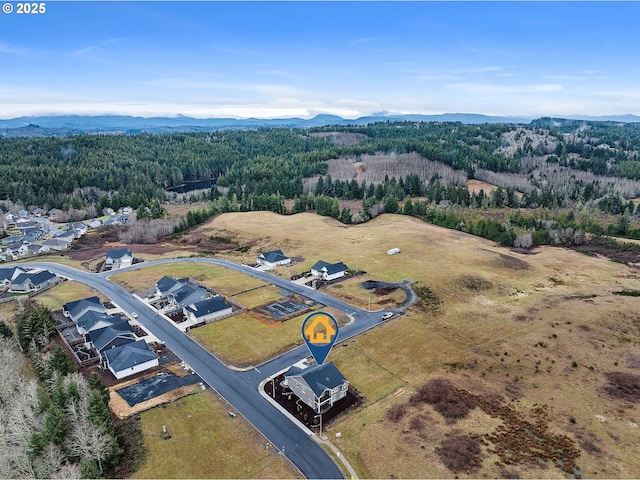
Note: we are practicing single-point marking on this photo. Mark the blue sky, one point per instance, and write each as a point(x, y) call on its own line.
point(269, 59)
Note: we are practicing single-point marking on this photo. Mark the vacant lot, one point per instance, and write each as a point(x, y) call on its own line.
point(65, 292)
point(205, 442)
point(243, 340)
point(541, 333)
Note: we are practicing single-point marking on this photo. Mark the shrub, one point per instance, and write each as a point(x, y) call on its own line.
point(396, 412)
point(460, 453)
point(445, 399)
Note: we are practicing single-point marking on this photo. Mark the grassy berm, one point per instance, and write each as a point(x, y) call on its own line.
point(510, 365)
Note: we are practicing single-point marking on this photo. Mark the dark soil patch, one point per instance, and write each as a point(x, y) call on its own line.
point(381, 292)
point(623, 386)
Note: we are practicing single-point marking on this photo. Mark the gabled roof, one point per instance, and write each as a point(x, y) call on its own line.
point(184, 292)
point(92, 320)
point(8, 273)
point(129, 355)
point(273, 256)
point(36, 278)
point(118, 253)
point(319, 377)
point(56, 242)
point(205, 307)
point(35, 247)
point(167, 283)
point(75, 308)
point(330, 268)
point(101, 337)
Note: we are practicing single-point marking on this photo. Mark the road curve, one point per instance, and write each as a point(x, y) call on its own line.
point(239, 388)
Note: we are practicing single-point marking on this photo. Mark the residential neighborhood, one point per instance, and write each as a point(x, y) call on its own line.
point(32, 233)
point(97, 334)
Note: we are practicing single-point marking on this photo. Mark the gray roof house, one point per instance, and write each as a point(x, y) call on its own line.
point(7, 274)
point(119, 258)
point(92, 320)
point(187, 294)
point(38, 249)
point(77, 308)
point(120, 333)
point(208, 310)
point(12, 239)
point(329, 271)
point(273, 259)
point(166, 285)
point(319, 386)
point(57, 243)
point(30, 282)
point(129, 359)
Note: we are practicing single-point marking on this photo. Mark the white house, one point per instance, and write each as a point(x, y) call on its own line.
point(57, 244)
point(7, 274)
point(30, 282)
point(206, 311)
point(119, 258)
point(319, 386)
point(129, 359)
point(329, 271)
point(74, 310)
point(273, 259)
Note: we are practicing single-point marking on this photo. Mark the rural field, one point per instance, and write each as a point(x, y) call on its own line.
point(542, 349)
point(206, 442)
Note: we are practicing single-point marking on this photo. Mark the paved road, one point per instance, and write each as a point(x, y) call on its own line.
point(240, 389)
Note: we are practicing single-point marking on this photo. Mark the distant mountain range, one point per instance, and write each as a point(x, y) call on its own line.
point(64, 125)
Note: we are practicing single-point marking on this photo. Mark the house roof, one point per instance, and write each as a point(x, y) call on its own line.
point(101, 337)
point(93, 320)
point(167, 283)
point(56, 242)
point(118, 253)
point(74, 308)
point(36, 278)
point(182, 294)
point(319, 377)
point(8, 273)
point(205, 307)
point(273, 256)
point(331, 268)
point(129, 355)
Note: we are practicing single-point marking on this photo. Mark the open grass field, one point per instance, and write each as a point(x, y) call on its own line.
point(243, 340)
point(259, 296)
point(541, 332)
point(206, 443)
point(66, 292)
point(222, 280)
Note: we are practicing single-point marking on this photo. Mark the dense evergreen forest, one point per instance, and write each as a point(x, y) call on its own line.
point(550, 163)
